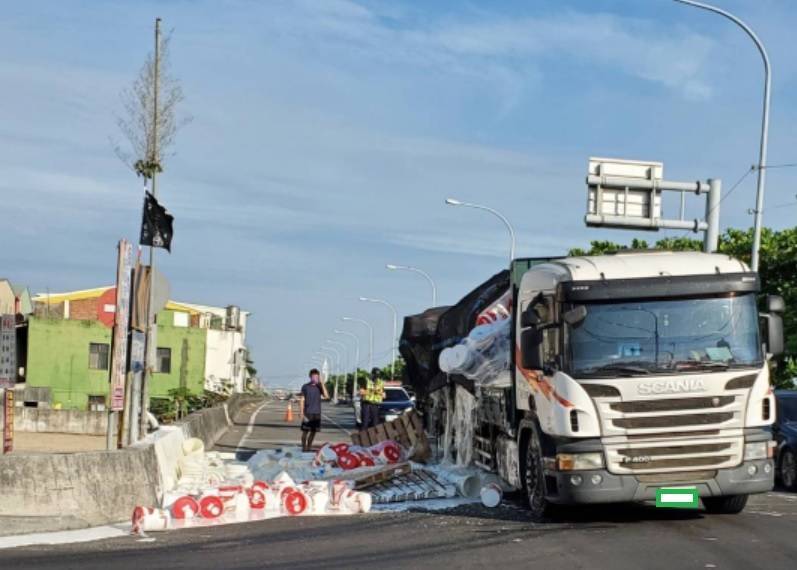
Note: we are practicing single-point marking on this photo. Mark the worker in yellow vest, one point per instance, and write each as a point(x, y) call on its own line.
point(370, 397)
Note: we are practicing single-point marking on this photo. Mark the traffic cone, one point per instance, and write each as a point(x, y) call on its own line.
point(289, 413)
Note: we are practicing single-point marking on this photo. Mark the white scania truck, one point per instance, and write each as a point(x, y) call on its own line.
point(638, 371)
point(628, 373)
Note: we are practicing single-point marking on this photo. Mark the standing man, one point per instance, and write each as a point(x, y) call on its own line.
point(310, 403)
point(371, 396)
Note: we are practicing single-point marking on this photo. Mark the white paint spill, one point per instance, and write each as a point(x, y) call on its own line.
point(428, 505)
point(65, 536)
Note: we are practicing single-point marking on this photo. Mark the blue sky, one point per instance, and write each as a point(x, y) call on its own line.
point(326, 135)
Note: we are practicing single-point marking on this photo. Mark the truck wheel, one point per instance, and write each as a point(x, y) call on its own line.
point(731, 505)
point(539, 506)
point(788, 469)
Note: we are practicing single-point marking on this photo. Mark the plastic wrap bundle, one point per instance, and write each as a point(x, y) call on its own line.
point(482, 355)
point(499, 310)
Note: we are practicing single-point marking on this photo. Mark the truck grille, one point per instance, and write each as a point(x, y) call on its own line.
point(673, 421)
point(672, 434)
point(666, 457)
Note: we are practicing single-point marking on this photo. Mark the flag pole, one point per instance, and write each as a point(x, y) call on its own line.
point(150, 352)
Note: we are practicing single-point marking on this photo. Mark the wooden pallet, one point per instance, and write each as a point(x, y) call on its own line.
point(415, 486)
point(406, 430)
point(386, 474)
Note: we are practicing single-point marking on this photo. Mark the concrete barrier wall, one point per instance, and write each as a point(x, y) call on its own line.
point(95, 487)
point(45, 420)
point(103, 487)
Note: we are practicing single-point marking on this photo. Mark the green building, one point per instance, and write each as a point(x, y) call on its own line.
point(69, 352)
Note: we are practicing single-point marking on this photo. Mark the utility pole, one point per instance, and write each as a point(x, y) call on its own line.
point(151, 350)
point(762, 148)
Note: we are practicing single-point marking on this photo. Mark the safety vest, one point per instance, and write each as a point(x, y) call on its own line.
point(374, 391)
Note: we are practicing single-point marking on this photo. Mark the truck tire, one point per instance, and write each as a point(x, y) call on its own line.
point(534, 481)
point(730, 505)
point(788, 469)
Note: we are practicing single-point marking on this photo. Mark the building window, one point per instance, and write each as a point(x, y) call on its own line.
point(99, 354)
point(163, 360)
point(97, 403)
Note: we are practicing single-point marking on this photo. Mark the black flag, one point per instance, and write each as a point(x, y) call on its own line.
point(156, 225)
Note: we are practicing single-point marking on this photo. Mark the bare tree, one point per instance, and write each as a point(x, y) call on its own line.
point(146, 146)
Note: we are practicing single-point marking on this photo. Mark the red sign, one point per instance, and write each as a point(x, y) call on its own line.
point(8, 422)
point(106, 307)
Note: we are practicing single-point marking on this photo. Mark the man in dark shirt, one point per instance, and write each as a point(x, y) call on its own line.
point(312, 393)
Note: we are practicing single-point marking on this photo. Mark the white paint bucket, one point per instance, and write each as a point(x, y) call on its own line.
point(193, 446)
point(491, 495)
point(146, 519)
point(467, 484)
point(318, 499)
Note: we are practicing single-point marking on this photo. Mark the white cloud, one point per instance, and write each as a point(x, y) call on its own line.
point(494, 47)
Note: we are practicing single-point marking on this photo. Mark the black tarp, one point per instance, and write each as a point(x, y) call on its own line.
point(425, 335)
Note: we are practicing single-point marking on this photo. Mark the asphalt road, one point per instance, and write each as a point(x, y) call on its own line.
point(613, 537)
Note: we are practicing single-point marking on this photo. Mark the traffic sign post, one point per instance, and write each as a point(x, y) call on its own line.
point(628, 194)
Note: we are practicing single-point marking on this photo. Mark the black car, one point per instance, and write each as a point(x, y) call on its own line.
point(396, 402)
point(785, 431)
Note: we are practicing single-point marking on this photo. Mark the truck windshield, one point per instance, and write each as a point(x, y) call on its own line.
point(631, 338)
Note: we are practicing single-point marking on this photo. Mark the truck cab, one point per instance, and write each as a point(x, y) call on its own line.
point(639, 371)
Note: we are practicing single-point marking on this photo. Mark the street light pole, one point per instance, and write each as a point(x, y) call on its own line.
point(494, 212)
point(395, 331)
point(393, 267)
point(345, 351)
point(762, 151)
point(370, 339)
point(356, 358)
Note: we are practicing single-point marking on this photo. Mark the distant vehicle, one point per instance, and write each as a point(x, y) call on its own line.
point(411, 392)
point(397, 401)
point(785, 431)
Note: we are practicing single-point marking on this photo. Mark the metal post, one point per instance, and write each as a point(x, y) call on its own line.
point(395, 332)
point(762, 151)
point(711, 237)
point(345, 361)
point(370, 340)
point(356, 358)
point(150, 351)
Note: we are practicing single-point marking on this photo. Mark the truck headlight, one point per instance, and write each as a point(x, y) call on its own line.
point(756, 450)
point(579, 461)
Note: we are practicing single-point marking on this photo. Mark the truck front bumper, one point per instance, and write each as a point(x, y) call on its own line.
point(584, 486)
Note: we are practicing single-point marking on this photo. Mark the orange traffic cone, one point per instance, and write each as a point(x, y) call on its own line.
point(289, 413)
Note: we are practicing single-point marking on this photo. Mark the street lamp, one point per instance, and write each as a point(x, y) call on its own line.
point(356, 358)
point(395, 331)
point(393, 267)
point(370, 339)
point(496, 213)
point(762, 150)
point(344, 350)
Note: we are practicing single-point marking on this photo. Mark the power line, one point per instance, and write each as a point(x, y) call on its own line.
point(768, 166)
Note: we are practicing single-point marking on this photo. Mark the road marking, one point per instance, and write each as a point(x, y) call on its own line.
point(250, 426)
point(340, 427)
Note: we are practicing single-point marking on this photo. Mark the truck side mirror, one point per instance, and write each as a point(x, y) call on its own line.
point(575, 316)
point(774, 334)
point(530, 345)
point(775, 304)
